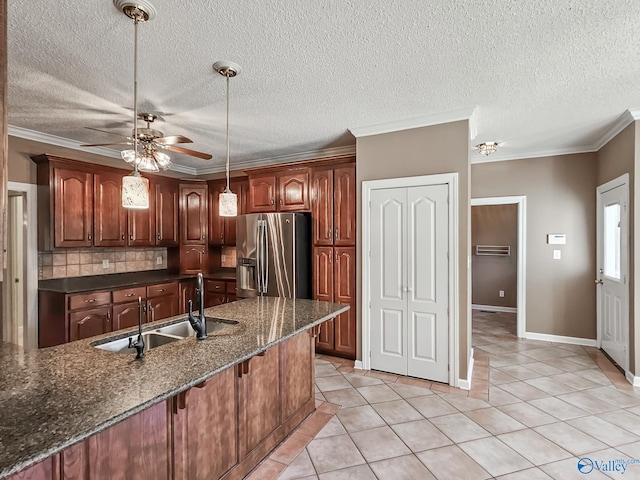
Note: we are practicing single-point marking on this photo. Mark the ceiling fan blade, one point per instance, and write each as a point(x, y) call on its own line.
point(186, 151)
point(104, 144)
point(171, 139)
point(106, 131)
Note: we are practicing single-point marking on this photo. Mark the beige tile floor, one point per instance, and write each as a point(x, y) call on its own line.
point(535, 408)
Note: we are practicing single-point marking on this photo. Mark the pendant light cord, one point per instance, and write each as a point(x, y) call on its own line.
point(135, 93)
point(228, 189)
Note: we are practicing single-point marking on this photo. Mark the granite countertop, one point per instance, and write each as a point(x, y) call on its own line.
point(122, 280)
point(55, 397)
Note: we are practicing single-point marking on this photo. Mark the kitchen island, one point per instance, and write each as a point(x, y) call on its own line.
point(190, 409)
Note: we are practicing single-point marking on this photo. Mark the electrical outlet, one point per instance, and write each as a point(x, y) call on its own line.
point(158, 260)
point(223, 258)
point(557, 254)
point(501, 293)
point(105, 263)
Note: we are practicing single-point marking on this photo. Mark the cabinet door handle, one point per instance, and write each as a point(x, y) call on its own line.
point(337, 235)
point(160, 290)
point(222, 235)
point(272, 201)
point(123, 236)
point(131, 237)
point(108, 316)
point(280, 201)
point(130, 295)
point(158, 236)
point(202, 237)
point(89, 237)
point(330, 234)
point(91, 300)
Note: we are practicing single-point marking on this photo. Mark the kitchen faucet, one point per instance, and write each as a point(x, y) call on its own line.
point(139, 343)
point(199, 324)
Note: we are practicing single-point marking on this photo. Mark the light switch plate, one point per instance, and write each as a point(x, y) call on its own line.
point(105, 263)
point(158, 260)
point(557, 254)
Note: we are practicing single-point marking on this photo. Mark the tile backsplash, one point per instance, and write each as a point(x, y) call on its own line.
point(228, 258)
point(76, 263)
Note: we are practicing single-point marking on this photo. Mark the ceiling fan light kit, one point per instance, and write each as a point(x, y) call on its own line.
point(228, 201)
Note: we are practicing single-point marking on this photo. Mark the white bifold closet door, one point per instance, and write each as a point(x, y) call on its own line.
point(409, 231)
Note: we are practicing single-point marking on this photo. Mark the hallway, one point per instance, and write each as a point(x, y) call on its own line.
point(534, 410)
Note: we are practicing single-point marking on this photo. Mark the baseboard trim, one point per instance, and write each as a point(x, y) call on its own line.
point(465, 384)
point(494, 308)
point(358, 365)
point(544, 337)
point(632, 379)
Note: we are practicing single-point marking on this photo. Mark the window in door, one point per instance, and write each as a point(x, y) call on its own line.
point(612, 241)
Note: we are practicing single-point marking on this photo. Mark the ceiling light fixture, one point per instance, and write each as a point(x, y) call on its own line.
point(228, 206)
point(135, 188)
point(487, 148)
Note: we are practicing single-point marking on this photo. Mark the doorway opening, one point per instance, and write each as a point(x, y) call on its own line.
point(20, 285)
point(499, 259)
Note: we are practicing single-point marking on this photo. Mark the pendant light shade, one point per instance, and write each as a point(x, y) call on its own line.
point(228, 204)
point(228, 201)
point(135, 191)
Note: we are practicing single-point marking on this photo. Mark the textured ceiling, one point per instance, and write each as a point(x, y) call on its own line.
point(544, 75)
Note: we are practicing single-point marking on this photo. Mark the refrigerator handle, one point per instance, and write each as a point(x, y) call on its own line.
point(259, 257)
point(265, 283)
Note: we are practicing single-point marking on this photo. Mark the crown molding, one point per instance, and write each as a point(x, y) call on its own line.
point(41, 137)
point(417, 122)
point(623, 121)
point(291, 158)
point(505, 157)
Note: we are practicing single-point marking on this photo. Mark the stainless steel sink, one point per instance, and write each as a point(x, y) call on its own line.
point(163, 335)
point(152, 339)
point(183, 329)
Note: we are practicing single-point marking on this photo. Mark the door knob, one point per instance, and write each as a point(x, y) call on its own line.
point(598, 282)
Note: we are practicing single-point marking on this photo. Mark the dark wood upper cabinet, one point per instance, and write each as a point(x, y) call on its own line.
point(293, 191)
point(73, 208)
point(216, 222)
point(167, 204)
point(262, 193)
point(344, 205)
point(322, 206)
point(193, 214)
point(109, 218)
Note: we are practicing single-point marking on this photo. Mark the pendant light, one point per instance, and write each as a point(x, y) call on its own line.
point(228, 206)
point(135, 188)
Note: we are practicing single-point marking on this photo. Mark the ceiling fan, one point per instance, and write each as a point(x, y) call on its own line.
point(152, 141)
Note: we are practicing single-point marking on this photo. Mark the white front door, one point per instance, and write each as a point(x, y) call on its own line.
point(611, 280)
point(409, 281)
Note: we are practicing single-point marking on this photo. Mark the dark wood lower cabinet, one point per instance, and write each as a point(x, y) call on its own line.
point(87, 323)
point(162, 307)
point(138, 447)
point(205, 439)
point(125, 315)
point(221, 428)
point(48, 469)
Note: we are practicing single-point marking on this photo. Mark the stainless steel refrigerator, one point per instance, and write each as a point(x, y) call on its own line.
point(273, 255)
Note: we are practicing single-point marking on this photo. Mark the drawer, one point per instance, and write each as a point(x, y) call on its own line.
point(215, 286)
point(86, 300)
point(162, 289)
point(129, 294)
point(231, 287)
